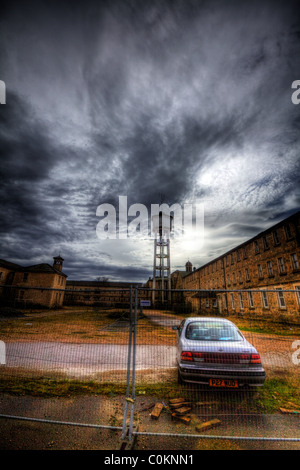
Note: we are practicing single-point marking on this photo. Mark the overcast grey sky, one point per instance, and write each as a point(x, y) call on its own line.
point(187, 98)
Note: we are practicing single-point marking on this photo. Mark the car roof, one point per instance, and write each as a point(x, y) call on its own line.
point(210, 319)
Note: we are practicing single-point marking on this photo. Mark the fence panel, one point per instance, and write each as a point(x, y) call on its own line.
point(117, 351)
point(232, 413)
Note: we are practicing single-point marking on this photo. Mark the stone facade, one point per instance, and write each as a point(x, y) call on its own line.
point(268, 261)
point(99, 293)
point(39, 285)
point(254, 278)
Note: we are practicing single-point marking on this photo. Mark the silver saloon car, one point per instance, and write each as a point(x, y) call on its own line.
point(214, 352)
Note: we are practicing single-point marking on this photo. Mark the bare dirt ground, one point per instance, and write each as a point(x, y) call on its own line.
point(85, 342)
point(24, 435)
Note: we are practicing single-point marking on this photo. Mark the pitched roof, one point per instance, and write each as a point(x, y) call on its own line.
point(43, 268)
point(9, 265)
point(36, 268)
point(181, 273)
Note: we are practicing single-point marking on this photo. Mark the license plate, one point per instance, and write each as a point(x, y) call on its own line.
point(223, 383)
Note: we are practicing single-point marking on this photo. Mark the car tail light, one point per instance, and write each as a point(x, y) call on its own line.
point(187, 356)
point(244, 358)
point(255, 359)
point(192, 356)
point(220, 358)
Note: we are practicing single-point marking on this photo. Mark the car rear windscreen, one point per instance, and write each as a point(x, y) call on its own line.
point(212, 331)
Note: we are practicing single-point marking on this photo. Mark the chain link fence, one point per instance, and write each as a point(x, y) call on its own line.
point(115, 352)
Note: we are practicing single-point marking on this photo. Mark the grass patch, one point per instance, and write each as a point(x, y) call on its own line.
point(266, 327)
point(50, 388)
point(81, 326)
point(279, 393)
point(276, 393)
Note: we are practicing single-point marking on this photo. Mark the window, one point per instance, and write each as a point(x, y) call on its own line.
point(238, 256)
point(256, 247)
point(281, 265)
point(214, 303)
point(245, 253)
point(250, 298)
point(270, 268)
point(266, 244)
point(233, 278)
point(280, 297)
point(288, 233)
point(211, 331)
point(260, 271)
point(232, 301)
point(240, 276)
point(298, 293)
point(276, 237)
point(225, 302)
point(295, 261)
point(21, 297)
point(241, 300)
point(247, 275)
point(232, 258)
point(25, 277)
point(207, 303)
point(265, 299)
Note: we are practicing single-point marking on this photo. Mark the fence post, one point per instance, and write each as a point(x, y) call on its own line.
point(133, 363)
point(128, 366)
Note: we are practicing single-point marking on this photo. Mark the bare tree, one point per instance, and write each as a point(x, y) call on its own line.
point(102, 279)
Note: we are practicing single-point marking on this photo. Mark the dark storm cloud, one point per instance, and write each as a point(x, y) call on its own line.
point(26, 158)
point(186, 98)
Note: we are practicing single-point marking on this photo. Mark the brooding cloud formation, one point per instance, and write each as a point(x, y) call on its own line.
point(190, 99)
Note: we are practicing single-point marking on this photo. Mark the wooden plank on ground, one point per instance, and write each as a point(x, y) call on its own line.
point(183, 419)
point(157, 410)
point(285, 411)
point(173, 401)
point(208, 425)
point(183, 410)
point(179, 405)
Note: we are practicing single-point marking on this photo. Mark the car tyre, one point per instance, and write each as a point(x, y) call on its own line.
point(179, 378)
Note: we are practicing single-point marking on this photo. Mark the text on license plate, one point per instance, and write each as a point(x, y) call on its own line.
point(223, 383)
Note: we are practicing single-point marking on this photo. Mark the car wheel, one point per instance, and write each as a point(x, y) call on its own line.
point(179, 378)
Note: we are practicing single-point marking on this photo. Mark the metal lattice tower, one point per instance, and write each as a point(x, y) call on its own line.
point(162, 227)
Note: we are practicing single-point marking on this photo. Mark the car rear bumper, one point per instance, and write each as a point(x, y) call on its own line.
point(252, 378)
